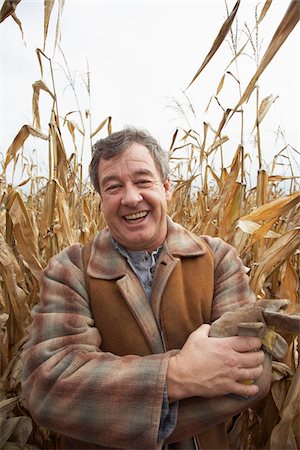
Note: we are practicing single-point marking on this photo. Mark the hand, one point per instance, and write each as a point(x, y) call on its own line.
point(211, 367)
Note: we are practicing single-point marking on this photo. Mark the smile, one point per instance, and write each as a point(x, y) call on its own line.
point(136, 217)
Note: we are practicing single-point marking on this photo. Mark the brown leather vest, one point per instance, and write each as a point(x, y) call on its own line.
point(184, 305)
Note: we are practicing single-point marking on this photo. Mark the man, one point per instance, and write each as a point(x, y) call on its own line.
point(119, 354)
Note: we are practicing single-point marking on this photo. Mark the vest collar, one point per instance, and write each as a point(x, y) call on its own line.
point(107, 263)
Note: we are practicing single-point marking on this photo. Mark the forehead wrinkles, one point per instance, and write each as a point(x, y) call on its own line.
point(127, 164)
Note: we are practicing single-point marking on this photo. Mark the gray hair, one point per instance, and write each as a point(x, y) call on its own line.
point(116, 143)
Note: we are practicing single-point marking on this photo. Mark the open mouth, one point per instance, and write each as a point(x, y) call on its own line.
point(136, 217)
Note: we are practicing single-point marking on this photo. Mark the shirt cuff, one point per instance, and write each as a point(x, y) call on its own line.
point(168, 417)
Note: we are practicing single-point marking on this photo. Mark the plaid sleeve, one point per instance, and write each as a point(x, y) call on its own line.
point(73, 388)
point(231, 289)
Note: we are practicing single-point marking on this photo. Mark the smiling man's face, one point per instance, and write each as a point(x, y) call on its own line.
point(134, 199)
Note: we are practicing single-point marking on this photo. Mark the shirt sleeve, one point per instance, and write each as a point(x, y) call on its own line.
point(231, 284)
point(168, 417)
point(70, 385)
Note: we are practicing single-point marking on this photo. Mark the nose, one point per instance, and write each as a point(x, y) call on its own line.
point(131, 196)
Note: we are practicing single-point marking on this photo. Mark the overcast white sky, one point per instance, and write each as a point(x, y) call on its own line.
point(140, 55)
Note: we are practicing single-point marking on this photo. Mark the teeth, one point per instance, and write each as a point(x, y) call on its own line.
point(136, 215)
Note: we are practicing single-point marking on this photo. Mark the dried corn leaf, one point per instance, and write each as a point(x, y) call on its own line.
point(262, 188)
point(64, 218)
point(7, 258)
point(230, 212)
point(8, 8)
point(102, 124)
point(220, 85)
point(216, 144)
point(71, 128)
point(173, 140)
point(279, 392)
point(17, 427)
point(59, 153)
point(280, 370)
point(222, 123)
point(263, 231)
point(208, 104)
point(74, 170)
point(3, 320)
point(202, 149)
point(233, 76)
point(61, 4)
point(19, 317)
point(249, 227)
point(74, 126)
point(23, 183)
point(224, 200)
point(6, 406)
point(238, 54)
point(18, 22)
point(48, 213)
point(39, 52)
point(189, 134)
point(285, 27)
point(276, 208)
point(264, 11)
point(19, 140)
point(273, 257)
point(218, 41)
point(4, 356)
point(285, 434)
point(48, 6)
point(289, 286)
point(37, 87)
point(215, 176)
point(23, 231)
point(264, 107)
point(14, 370)
point(41, 85)
point(274, 178)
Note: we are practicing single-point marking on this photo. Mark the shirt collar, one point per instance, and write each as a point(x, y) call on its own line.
point(131, 253)
point(107, 262)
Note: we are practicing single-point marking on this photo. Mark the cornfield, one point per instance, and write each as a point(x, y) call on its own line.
point(261, 222)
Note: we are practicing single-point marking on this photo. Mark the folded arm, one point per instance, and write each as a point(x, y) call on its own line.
point(71, 386)
point(208, 375)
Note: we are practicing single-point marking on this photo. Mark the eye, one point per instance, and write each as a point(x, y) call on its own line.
point(144, 183)
point(112, 188)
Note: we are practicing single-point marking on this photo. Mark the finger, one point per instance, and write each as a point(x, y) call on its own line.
point(251, 359)
point(245, 343)
point(250, 374)
point(261, 385)
point(245, 390)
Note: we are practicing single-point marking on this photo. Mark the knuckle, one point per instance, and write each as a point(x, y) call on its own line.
point(256, 372)
point(231, 361)
point(260, 370)
point(253, 343)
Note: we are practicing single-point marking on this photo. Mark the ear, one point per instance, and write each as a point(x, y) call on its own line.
point(168, 191)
